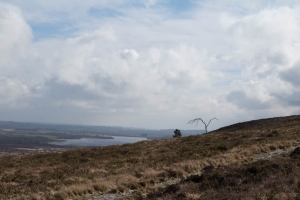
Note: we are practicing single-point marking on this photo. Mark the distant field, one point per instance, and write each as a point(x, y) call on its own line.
point(35, 135)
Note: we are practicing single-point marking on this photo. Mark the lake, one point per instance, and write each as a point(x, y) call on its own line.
point(94, 142)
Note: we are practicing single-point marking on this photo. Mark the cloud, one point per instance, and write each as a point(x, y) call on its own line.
point(148, 68)
point(13, 93)
point(266, 57)
point(240, 99)
point(292, 99)
point(89, 37)
point(149, 3)
point(129, 54)
point(15, 36)
point(63, 91)
point(57, 11)
point(265, 39)
point(292, 75)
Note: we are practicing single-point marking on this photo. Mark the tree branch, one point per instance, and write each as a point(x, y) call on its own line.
point(199, 119)
point(211, 120)
point(196, 120)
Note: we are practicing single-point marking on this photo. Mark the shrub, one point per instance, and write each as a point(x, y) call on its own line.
point(177, 134)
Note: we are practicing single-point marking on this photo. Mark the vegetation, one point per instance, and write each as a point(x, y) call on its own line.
point(266, 179)
point(177, 134)
point(225, 156)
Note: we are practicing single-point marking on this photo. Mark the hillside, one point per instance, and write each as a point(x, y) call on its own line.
point(269, 177)
point(141, 166)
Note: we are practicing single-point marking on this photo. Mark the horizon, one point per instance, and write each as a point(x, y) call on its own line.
point(115, 126)
point(149, 64)
point(59, 124)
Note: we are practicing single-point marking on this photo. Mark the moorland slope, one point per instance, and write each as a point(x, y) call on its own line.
point(276, 177)
point(141, 166)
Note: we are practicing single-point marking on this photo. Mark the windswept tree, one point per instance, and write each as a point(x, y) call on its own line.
point(196, 120)
point(177, 134)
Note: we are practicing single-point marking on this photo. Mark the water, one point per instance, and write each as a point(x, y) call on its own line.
point(93, 142)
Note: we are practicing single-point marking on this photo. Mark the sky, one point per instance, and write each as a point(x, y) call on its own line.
point(149, 63)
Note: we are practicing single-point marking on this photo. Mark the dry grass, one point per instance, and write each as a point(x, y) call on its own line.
point(269, 179)
point(138, 166)
point(192, 196)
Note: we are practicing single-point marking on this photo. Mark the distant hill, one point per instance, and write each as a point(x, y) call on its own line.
point(107, 130)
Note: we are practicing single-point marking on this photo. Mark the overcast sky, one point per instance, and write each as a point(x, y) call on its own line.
point(149, 63)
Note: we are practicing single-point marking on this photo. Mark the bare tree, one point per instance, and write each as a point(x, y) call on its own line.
point(199, 119)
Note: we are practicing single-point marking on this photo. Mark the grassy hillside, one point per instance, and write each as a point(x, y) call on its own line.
point(277, 178)
point(139, 166)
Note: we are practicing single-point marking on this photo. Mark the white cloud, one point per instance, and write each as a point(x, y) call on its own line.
point(15, 36)
point(128, 54)
point(147, 69)
point(12, 93)
point(270, 34)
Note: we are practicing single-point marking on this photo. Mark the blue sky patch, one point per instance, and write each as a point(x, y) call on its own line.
point(52, 30)
point(179, 5)
point(99, 13)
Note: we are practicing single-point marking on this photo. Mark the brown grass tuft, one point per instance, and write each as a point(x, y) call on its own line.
point(102, 186)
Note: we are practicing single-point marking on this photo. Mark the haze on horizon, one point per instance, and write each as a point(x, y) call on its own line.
point(150, 64)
